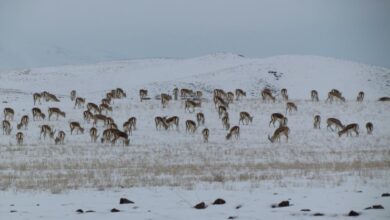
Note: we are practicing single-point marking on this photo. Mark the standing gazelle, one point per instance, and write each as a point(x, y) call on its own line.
point(19, 138)
point(283, 92)
point(369, 127)
point(290, 106)
point(37, 98)
point(205, 134)
point(314, 96)
point(283, 130)
point(190, 126)
point(6, 127)
point(9, 114)
point(317, 122)
point(245, 117)
point(79, 102)
point(72, 95)
point(360, 96)
point(46, 130)
point(200, 118)
point(60, 138)
point(165, 98)
point(23, 122)
point(240, 93)
point(93, 133)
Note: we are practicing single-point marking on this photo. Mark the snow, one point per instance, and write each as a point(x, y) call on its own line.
point(168, 172)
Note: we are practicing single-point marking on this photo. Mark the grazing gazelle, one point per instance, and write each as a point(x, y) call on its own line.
point(283, 130)
point(234, 131)
point(221, 111)
point(79, 102)
point(314, 96)
point(219, 101)
point(93, 107)
point(23, 122)
point(93, 133)
point(50, 97)
point(317, 122)
point(19, 138)
point(240, 93)
point(185, 93)
point(9, 114)
point(349, 128)
point(165, 98)
point(205, 134)
point(72, 95)
point(160, 122)
point(225, 121)
point(74, 125)
point(60, 138)
point(106, 108)
point(245, 117)
point(336, 122)
point(335, 94)
point(106, 101)
point(189, 104)
point(46, 130)
point(190, 126)
point(230, 97)
point(6, 127)
point(172, 121)
point(37, 114)
point(37, 97)
point(55, 111)
point(360, 96)
point(200, 118)
point(220, 93)
point(88, 116)
point(121, 136)
point(290, 106)
point(143, 93)
point(369, 127)
point(278, 117)
point(283, 92)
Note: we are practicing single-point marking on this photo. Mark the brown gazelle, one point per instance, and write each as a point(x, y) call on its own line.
point(189, 104)
point(190, 126)
point(55, 111)
point(198, 94)
point(317, 122)
point(37, 114)
point(186, 93)
point(106, 101)
point(172, 121)
point(283, 92)
point(19, 138)
point(106, 108)
point(143, 93)
point(234, 131)
point(230, 97)
point(266, 94)
point(108, 135)
point(360, 96)
point(121, 136)
point(175, 93)
point(290, 106)
point(6, 127)
point(314, 96)
point(219, 101)
point(93, 107)
point(37, 98)
point(88, 116)
point(79, 102)
point(165, 98)
point(335, 122)
point(75, 126)
point(205, 134)
point(335, 94)
point(160, 123)
point(50, 97)
point(278, 117)
point(119, 93)
point(46, 130)
point(23, 122)
point(245, 117)
point(226, 122)
point(127, 127)
point(283, 130)
point(60, 139)
point(200, 118)
point(9, 114)
point(72, 95)
point(93, 133)
point(369, 127)
point(221, 111)
point(133, 122)
point(349, 128)
point(240, 93)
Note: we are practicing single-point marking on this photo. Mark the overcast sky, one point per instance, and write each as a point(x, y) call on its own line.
point(53, 32)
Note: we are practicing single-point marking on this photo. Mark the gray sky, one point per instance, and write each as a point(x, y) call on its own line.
point(53, 32)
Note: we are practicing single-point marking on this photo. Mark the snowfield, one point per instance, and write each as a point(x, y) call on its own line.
point(167, 172)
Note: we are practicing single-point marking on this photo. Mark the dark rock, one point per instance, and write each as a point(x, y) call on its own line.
point(219, 201)
point(115, 210)
point(284, 204)
point(12, 205)
point(238, 207)
point(305, 210)
point(201, 205)
point(12, 211)
point(377, 207)
point(386, 195)
point(353, 213)
point(125, 201)
point(318, 214)
point(79, 211)
point(89, 211)
point(233, 217)
point(37, 205)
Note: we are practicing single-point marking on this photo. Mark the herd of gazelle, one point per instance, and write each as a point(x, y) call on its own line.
point(111, 134)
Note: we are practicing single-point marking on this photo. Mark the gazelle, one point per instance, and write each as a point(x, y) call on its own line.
point(283, 92)
point(314, 95)
point(108, 135)
point(290, 106)
point(50, 97)
point(106, 101)
point(234, 131)
point(219, 101)
point(143, 93)
point(349, 128)
point(37, 114)
point(23, 122)
point(186, 93)
point(189, 104)
point(283, 130)
point(55, 111)
point(60, 138)
point(93, 107)
point(245, 117)
point(369, 127)
point(9, 114)
point(93, 133)
point(317, 122)
point(198, 94)
point(72, 95)
point(230, 97)
point(278, 117)
point(106, 108)
point(127, 127)
point(19, 138)
point(37, 98)
point(335, 94)
point(360, 96)
point(121, 136)
point(6, 127)
point(266, 94)
point(46, 130)
point(165, 98)
point(74, 125)
point(79, 102)
point(88, 116)
point(225, 122)
point(190, 126)
point(205, 134)
point(172, 121)
point(119, 93)
point(220, 93)
point(175, 93)
point(221, 111)
point(200, 118)
point(160, 122)
point(133, 122)
point(109, 121)
point(240, 93)
point(336, 122)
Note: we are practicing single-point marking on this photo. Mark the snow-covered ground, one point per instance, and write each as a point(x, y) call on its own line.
point(168, 172)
